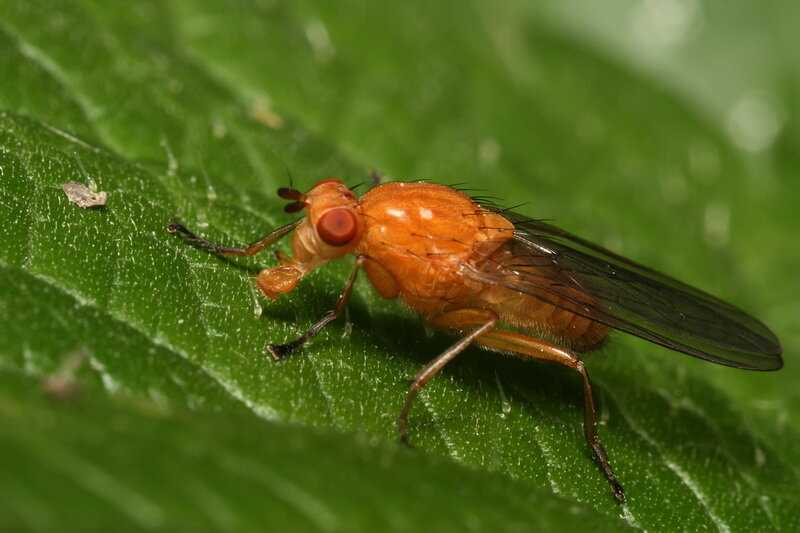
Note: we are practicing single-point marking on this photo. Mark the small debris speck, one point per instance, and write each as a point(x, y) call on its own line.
point(261, 111)
point(84, 197)
point(62, 384)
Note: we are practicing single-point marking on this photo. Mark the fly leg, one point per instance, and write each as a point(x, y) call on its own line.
point(463, 318)
point(252, 249)
point(272, 281)
point(507, 341)
point(279, 351)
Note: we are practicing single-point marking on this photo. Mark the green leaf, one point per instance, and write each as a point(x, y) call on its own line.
point(197, 109)
point(95, 463)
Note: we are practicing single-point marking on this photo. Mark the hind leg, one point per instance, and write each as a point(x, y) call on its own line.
point(508, 341)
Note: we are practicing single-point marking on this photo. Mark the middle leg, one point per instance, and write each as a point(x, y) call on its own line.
point(458, 320)
point(279, 351)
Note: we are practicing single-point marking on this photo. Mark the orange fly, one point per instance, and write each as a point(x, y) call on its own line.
point(498, 280)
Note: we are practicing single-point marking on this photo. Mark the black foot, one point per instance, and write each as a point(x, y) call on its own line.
point(404, 441)
point(619, 492)
point(281, 351)
point(601, 458)
point(176, 227)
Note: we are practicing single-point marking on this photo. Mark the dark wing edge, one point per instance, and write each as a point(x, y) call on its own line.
point(571, 273)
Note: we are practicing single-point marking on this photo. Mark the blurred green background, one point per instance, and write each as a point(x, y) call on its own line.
point(667, 130)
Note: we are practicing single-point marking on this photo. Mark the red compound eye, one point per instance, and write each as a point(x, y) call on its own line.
point(337, 227)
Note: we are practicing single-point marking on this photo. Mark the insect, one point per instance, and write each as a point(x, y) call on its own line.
point(500, 281)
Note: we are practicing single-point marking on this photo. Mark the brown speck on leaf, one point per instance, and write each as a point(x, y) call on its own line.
point(84, 197)
point(261, 111)
point(61, 384)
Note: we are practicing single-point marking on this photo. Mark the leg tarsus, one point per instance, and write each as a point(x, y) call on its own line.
point(592, 438)
point(402, 419)
point(204, 244)
point(601, 458)
point(404, 440)
point(524, 345)
point(279, 351)
point(184, 233)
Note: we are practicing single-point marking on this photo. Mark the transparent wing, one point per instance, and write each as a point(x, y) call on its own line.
point(574, 274)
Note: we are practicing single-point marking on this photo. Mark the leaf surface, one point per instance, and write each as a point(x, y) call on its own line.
point(196, 110)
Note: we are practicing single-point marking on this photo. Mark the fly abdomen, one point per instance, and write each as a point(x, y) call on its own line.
point(538, 307)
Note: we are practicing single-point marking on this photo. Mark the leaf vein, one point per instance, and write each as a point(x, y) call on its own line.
point(681, 474)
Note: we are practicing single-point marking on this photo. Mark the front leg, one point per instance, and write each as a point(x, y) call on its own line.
point(252, 249)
